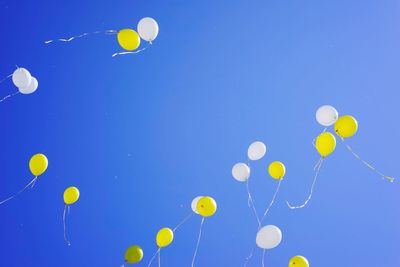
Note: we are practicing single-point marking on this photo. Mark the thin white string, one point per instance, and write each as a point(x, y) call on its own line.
point(8, 96)
point(69, 39)
point(246, 261)
point(182, 222)
point(159, 258)
point(154, 256)
point(20, 191)
point(263, 258)
point(319, 165)
point(5, 78)
point(349, 148)
point(132, 52)
point(272, 201)
point(198, 241)
point(252, 203)
point(65, 228)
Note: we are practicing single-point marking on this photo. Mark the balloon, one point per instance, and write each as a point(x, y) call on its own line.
point(194, 204)
point(346, 126)
point(38, 164)
point(277, 170)
point(325, 143)
point(30, 88)
point(71, 195)
point(134, 254)
point(326, 115)
point(21, 78)
point(148, 29)
point(128, 39)
point(164, 237)
point(206, 206)
point(241, 172)
point(269, 237)
point(256, 150)
point(298, 261)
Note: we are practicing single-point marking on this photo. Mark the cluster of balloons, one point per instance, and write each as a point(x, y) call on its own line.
point(23, 80)
point(205, 206)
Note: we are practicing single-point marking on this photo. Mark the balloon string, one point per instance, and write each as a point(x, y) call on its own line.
point(66, 207)
point(5, 78)
point(263, 258)
point(20, 191)
point(132, 52)
point(8, 96)
point(183, 221)
point(272, 201)
point(317, 170)
point(391, 179)
point(248, 258)
point(153, 257)
point(69, 39)
point(159, 258)
point(252, 203)
point(198, 241)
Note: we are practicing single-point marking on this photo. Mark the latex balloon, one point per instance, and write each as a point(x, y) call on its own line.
point(277, 170)
point(21, 78)
point(256, 150)
point(325, 143)
point(128, 39)
point(71, 195)
point(148, 29)
point(346, 126)
point(269, 237)
point(206, 206)
point(298, 261)
point(194, 204)
point(164, 237)
point(134, 254)
point(326, 115)
point(30, 88)
point(38, 164)
point(241, 172)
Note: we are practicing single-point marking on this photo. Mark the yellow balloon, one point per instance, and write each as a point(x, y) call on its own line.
point(325, 143)
point(346, 126)
point(298, 261)
point(206, 206)
point(277, 170)
point(164, 237)
point(71, 195)
point(38, 164)
point(128, 39)
point(133, 254)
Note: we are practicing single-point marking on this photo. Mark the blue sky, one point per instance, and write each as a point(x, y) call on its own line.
point(142, 135)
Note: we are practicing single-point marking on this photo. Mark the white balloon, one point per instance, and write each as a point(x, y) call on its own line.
point(269, 237)
point(30, 88)
point(148, 29)
point(241, 172)
point(326, 115)
point(194, 204)
point(256, 150)
point(21, 77)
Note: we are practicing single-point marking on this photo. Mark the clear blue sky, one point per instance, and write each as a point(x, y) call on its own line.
point(141, 135)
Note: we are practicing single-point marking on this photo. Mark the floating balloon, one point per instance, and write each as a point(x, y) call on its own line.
point(206, 206)
point(128, 39)
point(37, 165)
point(194, 204)
point(256, 150)
point(21, 78)
point(269, 237)
point(346, 126)
point(133, 254)
point(164, 237)
point(277, 170)
point(241, 172)
point(298, 261)
point(71, 195)
point(148, 29)
point(326, 115)
point(325, 144)
point(32, 87)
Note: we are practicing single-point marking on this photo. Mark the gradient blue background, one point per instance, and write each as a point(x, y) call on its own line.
point(142, 135)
